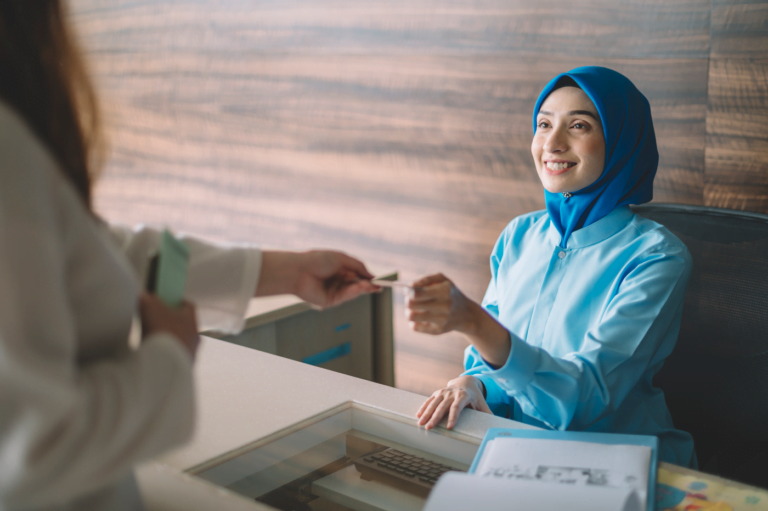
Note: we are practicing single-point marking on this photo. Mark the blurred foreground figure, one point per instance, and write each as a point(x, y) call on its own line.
point(78, 407)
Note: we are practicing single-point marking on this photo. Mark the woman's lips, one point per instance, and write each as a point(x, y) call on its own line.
point(555, 168)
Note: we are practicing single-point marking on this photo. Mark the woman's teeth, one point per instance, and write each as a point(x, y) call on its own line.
point(559, 166)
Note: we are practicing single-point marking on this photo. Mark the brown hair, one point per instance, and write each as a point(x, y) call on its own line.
point(44, 79)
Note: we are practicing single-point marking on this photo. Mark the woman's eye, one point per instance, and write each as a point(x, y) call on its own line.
point(579, 126)
point(543, 124)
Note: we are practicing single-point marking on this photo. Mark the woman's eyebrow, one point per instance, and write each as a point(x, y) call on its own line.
point(572, 112)
point(583, 112)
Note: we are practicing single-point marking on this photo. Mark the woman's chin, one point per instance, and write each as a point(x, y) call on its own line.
point(556, 188)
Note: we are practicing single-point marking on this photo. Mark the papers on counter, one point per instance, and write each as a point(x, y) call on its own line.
point(461, 492)
point(541, 474)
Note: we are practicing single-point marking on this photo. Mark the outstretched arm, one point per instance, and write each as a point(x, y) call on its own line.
point(322, 277)
point(223, 278)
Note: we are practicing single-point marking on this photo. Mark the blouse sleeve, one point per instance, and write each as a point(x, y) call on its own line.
point(68, 427)
point(575, 391)
point(474, 365)
point(221, 280)
point(491, 300)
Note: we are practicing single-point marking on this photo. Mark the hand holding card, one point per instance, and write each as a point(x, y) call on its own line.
point(167, 275)
point(389, 283)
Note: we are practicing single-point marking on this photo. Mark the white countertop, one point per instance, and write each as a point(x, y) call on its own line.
point(244, 397)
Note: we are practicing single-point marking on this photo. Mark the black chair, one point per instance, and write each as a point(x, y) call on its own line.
point(716, 380)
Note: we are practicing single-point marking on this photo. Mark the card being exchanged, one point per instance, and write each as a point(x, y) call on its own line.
point(389, 283)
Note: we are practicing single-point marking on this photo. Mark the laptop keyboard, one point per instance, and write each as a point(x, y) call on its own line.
point(401, 470)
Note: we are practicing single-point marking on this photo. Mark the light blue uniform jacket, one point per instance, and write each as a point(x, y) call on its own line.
point(590, 326)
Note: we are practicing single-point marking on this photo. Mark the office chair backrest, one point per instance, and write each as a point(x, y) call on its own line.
point(716, 380)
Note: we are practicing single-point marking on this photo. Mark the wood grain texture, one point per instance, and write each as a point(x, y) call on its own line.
point(398, 131)
point(739, 29)
point(591, 28)
point(737, 135)
point(737, 109)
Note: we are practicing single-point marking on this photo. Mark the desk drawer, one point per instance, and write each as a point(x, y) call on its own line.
point(339, 339)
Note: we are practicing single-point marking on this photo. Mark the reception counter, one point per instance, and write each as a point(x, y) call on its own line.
point(247, 399)
point(257, 412)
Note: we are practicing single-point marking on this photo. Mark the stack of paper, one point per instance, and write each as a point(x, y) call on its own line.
point(541, 474)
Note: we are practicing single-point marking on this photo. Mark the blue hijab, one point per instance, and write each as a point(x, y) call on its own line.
point(631, 157)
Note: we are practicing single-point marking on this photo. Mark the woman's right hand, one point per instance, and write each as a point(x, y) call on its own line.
point(436, 306)
point(180, 322)
point(464, 391)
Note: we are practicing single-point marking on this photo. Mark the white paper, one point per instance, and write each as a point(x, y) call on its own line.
point(461, 492)
point(569, 463)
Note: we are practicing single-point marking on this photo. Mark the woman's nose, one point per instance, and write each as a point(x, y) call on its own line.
point(555, 142)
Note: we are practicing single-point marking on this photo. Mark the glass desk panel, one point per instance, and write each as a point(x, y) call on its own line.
point(354, 457)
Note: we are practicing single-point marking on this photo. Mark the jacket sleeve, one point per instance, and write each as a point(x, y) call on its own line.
point(577, 390)
point(68, 427)
point(221, 281)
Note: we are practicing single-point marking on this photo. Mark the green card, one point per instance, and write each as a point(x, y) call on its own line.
point(172, 266)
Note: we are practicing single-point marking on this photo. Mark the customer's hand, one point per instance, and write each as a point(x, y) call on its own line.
point(321, 277)
point(460, 393)
point(180, 322)
point(435, 306)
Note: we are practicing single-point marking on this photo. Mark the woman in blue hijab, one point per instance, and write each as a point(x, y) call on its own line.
point(585, 298)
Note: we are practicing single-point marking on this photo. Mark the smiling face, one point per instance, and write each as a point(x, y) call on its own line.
point(568, 147)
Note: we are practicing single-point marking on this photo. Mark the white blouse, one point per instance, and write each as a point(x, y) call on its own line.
point(78, 407)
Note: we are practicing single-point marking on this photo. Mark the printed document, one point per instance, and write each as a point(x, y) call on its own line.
point(537, 474)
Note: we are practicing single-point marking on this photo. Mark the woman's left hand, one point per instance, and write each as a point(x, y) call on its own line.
point(321, 277)
point(462, 392)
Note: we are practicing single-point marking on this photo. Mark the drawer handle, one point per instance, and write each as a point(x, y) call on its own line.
point(345, 326)
point(329, 354)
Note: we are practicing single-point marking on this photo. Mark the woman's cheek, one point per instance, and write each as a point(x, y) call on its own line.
point(536, 148)
point(593, 151)
point(594, 145)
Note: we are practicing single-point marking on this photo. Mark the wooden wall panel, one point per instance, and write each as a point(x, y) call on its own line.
point(398, 131)
point(739, 29)
point(737, 110)
point(588, 28)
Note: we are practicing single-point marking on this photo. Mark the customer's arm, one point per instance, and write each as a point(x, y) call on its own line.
point(224, 277)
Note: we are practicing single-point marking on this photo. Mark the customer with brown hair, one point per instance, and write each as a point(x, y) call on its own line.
point(79, 407)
